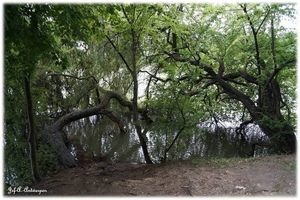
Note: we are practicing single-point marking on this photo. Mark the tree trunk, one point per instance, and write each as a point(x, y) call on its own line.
point(267, 115)
point(270, 119)
point(143, 144)
point(31, 134)
point(53, 135)
point(266, 111)
point(55, 140)
point(273, 124)
point(283, 140)
point(135, 98)
point(138, 128)
point(134, 73)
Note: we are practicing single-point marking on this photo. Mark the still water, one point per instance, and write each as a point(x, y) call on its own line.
point(99, 136)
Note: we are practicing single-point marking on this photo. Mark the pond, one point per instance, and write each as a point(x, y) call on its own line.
point(98, 136)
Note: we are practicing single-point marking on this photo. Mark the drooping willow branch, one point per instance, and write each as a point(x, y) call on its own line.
point(79, 78)
point(99, 109)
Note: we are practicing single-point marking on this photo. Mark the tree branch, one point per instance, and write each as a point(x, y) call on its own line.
point(72, 76)
point(263, 21)
point(241, 129)
point(241, 74)
point(113, 118)
point(257, 56)
point(125, 14)
point(154, 76)
point(120, 54)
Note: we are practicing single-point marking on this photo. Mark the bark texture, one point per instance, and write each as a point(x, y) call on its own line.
point(32, 139)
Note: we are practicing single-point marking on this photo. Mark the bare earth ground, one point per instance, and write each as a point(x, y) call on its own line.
point(262, 176)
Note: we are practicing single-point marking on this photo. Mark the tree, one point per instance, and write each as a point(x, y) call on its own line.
point(24, 19)
point(236, 75)
point(136, 17)
point(38, 44)
point(130, 65)
point(199, 62)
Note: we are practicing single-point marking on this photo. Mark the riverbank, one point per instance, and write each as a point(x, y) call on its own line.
point(262, 176)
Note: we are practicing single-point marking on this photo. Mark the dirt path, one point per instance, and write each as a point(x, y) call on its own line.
point(270, 175)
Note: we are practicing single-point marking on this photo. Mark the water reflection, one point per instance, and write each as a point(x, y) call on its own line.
point(99, 137)
point(103, 138)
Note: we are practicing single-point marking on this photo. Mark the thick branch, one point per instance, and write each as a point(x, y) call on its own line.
point(70, 117)
point(273, 44)
point(233, 92)
point(249, 78)
point(117, 97)
point(96, 110)
point(99, 109)
point(257, 56)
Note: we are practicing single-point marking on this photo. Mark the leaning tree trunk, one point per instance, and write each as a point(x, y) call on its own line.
point(270, 119)
point(273, 124)
point(56, 141)
point(267, 114)
point(53, 135)
point(283, 139)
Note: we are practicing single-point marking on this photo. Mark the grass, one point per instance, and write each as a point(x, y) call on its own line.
point(291, 166)
point(231, 162)
point(221, 162)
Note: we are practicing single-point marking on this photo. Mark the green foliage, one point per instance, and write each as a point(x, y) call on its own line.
point(17, 170)
point(40, 44)
point(272, 124)
point(73, 40)
point(173, 111)
point(16, 158)
point(17, 167)
point(48, 161)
